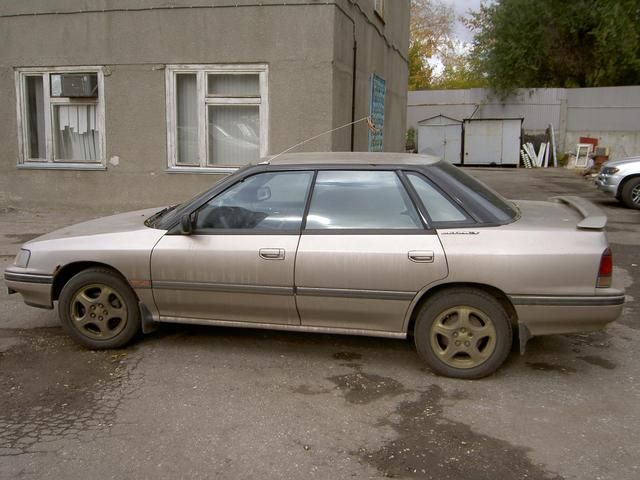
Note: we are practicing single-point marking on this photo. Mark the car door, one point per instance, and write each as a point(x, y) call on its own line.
point(237, 265)
point(364, 253)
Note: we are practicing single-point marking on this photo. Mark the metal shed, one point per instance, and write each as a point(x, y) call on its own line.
point(441, 136)
point(492, 141)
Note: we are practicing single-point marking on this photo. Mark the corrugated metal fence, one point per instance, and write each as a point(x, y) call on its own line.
point(611, 114)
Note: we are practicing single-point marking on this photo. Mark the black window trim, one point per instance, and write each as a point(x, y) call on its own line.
point(173, 227)
point(470, 219)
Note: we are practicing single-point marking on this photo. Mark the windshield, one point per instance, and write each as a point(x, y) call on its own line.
point(490, 200)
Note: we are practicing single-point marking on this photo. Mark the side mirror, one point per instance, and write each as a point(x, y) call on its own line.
point(186, 224)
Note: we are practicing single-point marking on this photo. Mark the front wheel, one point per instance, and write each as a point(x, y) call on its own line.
point(631, 193)
point(99, 309)
point(463, 333)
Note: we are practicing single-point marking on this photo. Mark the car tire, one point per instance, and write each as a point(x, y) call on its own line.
point(463, 333)
point(631, 193)
point(99, 309)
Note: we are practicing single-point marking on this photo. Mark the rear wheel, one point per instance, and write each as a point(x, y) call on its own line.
point(99, 309)
point(631, 193)
point(463, 333)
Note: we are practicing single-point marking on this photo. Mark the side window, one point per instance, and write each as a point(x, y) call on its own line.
point(440, 209)
point(266, 201)
point(361, 200)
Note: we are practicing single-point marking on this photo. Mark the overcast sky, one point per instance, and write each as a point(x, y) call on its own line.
point(461, 7)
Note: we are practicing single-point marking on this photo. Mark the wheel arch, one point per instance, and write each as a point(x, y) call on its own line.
point(624, 181)
point(66, 272)
point(424, 296)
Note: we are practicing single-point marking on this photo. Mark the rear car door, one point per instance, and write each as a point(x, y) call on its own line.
point(364, 253)
point(238, 263)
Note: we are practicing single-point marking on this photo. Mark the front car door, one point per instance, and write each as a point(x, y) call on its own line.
point(237, 265)
point(365, 252)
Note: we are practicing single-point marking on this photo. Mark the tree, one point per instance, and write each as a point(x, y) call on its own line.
point(547, 43)
point(432, 39)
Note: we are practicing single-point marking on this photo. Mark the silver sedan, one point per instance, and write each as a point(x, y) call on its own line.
point(387, 245)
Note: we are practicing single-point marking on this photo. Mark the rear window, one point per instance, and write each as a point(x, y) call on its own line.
point(502, 209)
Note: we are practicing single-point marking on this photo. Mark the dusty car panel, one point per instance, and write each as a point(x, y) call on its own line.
point(343, 280)
point(621, 178)
point(366, 244)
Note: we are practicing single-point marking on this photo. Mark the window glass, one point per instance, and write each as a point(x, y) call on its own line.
point(502, 209)
point(439, 208)
point(35, 117)
point(234, 134)
point(220, 115)
point(360, 200)
point(63, 114)
point(76, 133)
point(187, 118)
point(242, 85)
point(267, 201)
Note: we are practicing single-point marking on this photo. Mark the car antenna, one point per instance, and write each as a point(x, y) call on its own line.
point(370, 124)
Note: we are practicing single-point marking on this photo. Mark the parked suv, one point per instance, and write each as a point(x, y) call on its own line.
point(621, 178)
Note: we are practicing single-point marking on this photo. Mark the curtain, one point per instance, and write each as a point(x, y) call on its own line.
point(234, 134)
point(76, 132)
point(187, 121)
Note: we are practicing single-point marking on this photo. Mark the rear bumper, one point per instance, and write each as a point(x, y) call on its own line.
point(547, 315)
point(35, 289)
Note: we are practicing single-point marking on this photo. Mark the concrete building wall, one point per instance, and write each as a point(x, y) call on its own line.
point(611, 114)
point(306, 44)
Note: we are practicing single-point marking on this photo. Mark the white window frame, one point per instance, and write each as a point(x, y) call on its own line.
point(48, 162)
point(201, 71)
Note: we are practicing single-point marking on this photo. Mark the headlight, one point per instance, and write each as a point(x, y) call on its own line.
point(610, 170)
point(22, 259)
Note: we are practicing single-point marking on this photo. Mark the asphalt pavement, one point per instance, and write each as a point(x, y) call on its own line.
point(196, 402)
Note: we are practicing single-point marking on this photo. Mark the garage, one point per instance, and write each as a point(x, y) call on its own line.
point(441, 136)
point(492, 141)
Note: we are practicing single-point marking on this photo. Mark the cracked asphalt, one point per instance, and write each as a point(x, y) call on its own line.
point(196, 402)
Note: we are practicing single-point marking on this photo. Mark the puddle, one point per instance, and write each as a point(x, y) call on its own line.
point(52, 389)
point(429, 446)
point(361, 388)
point(347, 356)
point(598, 361)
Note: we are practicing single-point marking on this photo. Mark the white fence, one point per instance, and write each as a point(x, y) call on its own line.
point(610, 114)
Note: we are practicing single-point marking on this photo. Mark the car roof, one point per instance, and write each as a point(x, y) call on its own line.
point(352, 158)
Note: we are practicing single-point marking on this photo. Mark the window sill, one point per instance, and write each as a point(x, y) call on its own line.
point(61, 166)
point(203, 170)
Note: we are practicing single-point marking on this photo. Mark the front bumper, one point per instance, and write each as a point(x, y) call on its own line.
point(34, 288)
point(608, 183)
point(548, 315)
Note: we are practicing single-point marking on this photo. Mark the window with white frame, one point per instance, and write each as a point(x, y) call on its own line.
point(216, 116)
point(60, 117)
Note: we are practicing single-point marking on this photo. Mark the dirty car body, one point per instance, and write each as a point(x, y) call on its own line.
point(621, 178)
point(387, 245)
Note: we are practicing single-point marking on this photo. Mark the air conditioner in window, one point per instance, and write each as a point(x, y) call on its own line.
point(74, 85)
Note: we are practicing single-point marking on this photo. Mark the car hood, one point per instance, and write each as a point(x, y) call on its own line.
point(623, 161)
point(123, 222)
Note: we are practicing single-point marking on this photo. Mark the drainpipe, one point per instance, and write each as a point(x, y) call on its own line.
point(353, 88)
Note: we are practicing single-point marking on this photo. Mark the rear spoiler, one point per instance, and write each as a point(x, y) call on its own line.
point(594, 217)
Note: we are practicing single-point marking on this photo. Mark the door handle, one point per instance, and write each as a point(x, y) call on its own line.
point(421, 256)
point(271, 253)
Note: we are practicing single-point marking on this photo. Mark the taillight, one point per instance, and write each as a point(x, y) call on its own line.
point(606, 269)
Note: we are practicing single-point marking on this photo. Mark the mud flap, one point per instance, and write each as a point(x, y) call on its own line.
point(146, 319)
point(524, 335)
